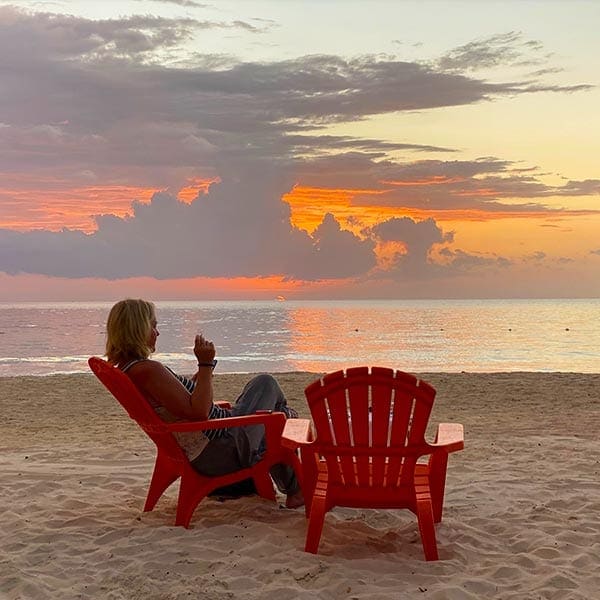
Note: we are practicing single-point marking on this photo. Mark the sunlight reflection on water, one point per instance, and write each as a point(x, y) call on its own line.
point(417, 336)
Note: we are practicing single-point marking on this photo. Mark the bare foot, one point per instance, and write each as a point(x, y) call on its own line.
point(294, 500)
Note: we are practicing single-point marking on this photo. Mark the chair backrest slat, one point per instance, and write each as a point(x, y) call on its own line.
point(341, 467)
point(360, 410)
point(382, 390)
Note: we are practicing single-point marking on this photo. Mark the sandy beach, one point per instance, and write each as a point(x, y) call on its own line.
point(522, 515)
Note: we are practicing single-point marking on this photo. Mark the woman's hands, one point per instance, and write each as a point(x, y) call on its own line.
point(203, 349)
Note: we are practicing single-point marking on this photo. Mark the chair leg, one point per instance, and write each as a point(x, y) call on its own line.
point(164, 475)
point(293, 460)
point(425, 518)
point(190, 495)
point(427, 530)
point(318, 509)
point(438, 464)
point(264, 485)
point(312, 472)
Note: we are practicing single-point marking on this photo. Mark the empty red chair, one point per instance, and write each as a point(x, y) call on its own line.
point(172, 463)
point(369, 435)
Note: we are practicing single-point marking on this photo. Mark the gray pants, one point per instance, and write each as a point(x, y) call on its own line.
point(242, 447)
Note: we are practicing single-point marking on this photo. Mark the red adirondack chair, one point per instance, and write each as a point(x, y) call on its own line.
point(171, 462)
point(369, 434)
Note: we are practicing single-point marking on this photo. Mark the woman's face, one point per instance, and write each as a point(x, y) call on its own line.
point(154, 333)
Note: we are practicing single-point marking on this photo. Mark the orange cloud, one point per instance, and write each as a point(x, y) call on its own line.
point(195, 185)
point(310, 204)
point(388, 252)
point(54, 208)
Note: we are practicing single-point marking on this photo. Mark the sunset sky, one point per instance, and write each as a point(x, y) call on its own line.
point(183, 149)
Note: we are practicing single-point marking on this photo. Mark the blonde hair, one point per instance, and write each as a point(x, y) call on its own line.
point(128, 329)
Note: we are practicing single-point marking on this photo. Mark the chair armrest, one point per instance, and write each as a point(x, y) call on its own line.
point(449, 437)
point(223, 404)
point(296, 433)
point(271, 419)
point(273, 423)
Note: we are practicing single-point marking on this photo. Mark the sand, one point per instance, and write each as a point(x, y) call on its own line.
point(522, 514)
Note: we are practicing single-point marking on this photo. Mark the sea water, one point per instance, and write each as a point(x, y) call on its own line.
point(320, 336)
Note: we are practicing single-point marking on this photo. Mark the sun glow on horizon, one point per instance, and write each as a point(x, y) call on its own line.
point(24, 286)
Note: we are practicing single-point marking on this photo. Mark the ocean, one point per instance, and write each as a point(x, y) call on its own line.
point(320, 336)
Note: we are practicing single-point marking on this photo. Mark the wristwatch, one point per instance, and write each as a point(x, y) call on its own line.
point(212, 364)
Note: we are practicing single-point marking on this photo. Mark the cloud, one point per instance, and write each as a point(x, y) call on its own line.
point(338, 253)
point(49, 36)
point(184, 3)
point(406, 245)
point(509, 48)
point(537, 256)
point(463, 262)
point(217, 235)
point(242, 230)
point(418, 236)
point(482, 184)
point(31, 37)
point(587, 187)
point(101, 73)
point(108, 97)
point(121, 102)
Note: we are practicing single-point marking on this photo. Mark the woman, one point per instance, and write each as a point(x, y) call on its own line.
point(131, 338)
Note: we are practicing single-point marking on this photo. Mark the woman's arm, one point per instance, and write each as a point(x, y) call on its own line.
point(204, 351)
point(156, 381)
